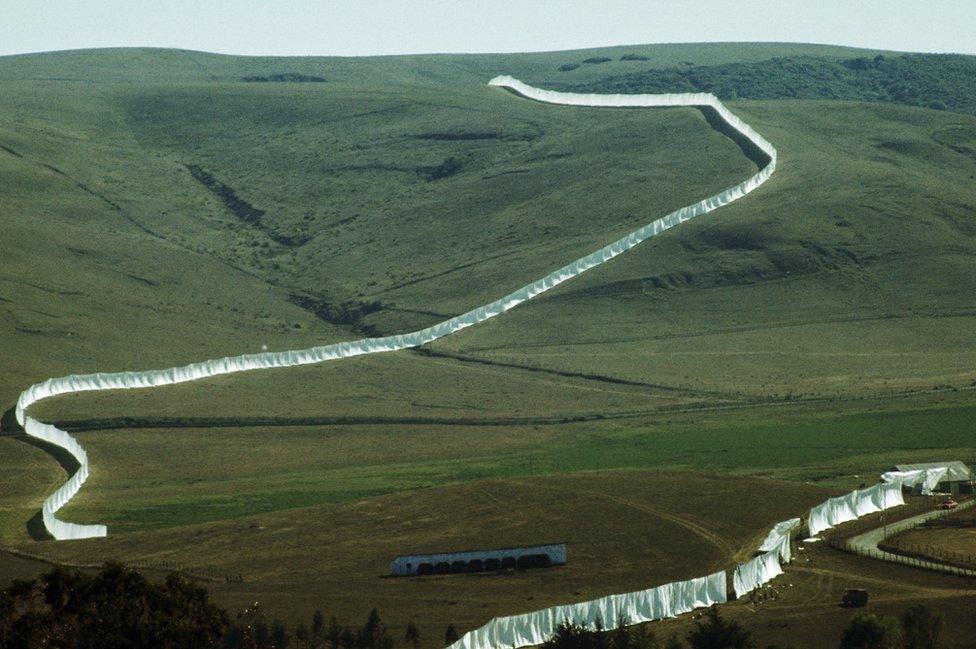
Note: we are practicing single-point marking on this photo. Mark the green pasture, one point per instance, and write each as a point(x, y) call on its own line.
point(149, 478)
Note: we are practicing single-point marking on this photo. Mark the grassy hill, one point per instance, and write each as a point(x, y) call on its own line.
point(157, 209)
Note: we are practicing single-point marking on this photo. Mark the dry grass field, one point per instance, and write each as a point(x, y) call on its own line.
point(625, 530)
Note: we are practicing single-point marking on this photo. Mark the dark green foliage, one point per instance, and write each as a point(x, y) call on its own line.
point(446, 169)
point(345, 313)
point(241, 208)
point(712, 632)
point(922, 627)
point(412, 635)
point(317, 635)
point(279, 635)
point(942, 81)
point(673, 643)
point(450, 635)
point(284, 77)
point(374, 635)
point(117, 607)
point(573, 636)
point(598, 59)
point(568, 67)
point(635, 57)
point(868, 631)
point(335, 633)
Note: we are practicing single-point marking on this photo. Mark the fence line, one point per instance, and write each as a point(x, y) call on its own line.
point(915, 562)
point(844, 541)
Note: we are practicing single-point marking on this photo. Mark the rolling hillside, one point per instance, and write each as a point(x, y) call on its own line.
point(158, 208)
point(161, 210)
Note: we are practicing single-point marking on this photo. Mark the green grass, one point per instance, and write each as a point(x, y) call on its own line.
point(151, 478)
point(849, 275)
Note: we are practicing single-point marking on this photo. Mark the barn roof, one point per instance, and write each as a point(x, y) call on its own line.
point(958, 472)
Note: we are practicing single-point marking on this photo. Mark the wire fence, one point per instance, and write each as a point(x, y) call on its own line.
point(936, 560)
point(932, 553)
point(906, 560)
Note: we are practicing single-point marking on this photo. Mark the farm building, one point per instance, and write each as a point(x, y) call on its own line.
point(957, 479)
point(536, 556)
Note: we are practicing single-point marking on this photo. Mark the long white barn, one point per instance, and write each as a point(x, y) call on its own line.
point(535, 556)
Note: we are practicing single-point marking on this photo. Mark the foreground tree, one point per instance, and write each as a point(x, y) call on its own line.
point(922, 627)
point(673, 643)
point(317, 636)
point(116, 607)
point(712, 632)
point(450, 636)
point(374, 635)
point(412, 635)
point(868, 631)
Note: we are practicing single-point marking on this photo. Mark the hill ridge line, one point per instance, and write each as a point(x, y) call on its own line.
point(62, 530)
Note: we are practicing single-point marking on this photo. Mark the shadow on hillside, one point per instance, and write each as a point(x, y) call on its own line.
point(35, 526)
point(8, 423)
point(750, 150)
point(36, 530)
point(63, 457)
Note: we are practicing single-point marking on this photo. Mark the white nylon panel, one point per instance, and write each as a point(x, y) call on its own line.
point(927, 478)
point(775, 536)
point(658, 603)
point(849, 507)
point(756, 572)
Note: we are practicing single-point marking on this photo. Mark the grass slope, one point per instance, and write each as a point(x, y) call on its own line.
point(849, 272)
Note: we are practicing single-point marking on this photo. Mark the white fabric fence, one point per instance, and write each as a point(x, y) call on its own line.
point(857, 503)
point(774, 550)
point(753, 574)
point(195, 371)
point(778, 539)
point(926, 478)
point(658, 603)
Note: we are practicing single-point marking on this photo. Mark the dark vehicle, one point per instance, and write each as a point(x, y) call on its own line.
point(948, 504)
point(855, 598)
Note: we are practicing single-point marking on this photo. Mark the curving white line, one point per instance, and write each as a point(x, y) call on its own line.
point(60, 529)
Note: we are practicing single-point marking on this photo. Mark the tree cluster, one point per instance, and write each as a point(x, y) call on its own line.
point(918, 627)
point(940, 81)
point(118, 608)
point(710, 632)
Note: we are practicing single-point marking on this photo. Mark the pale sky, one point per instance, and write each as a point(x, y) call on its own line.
point(358, 27)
